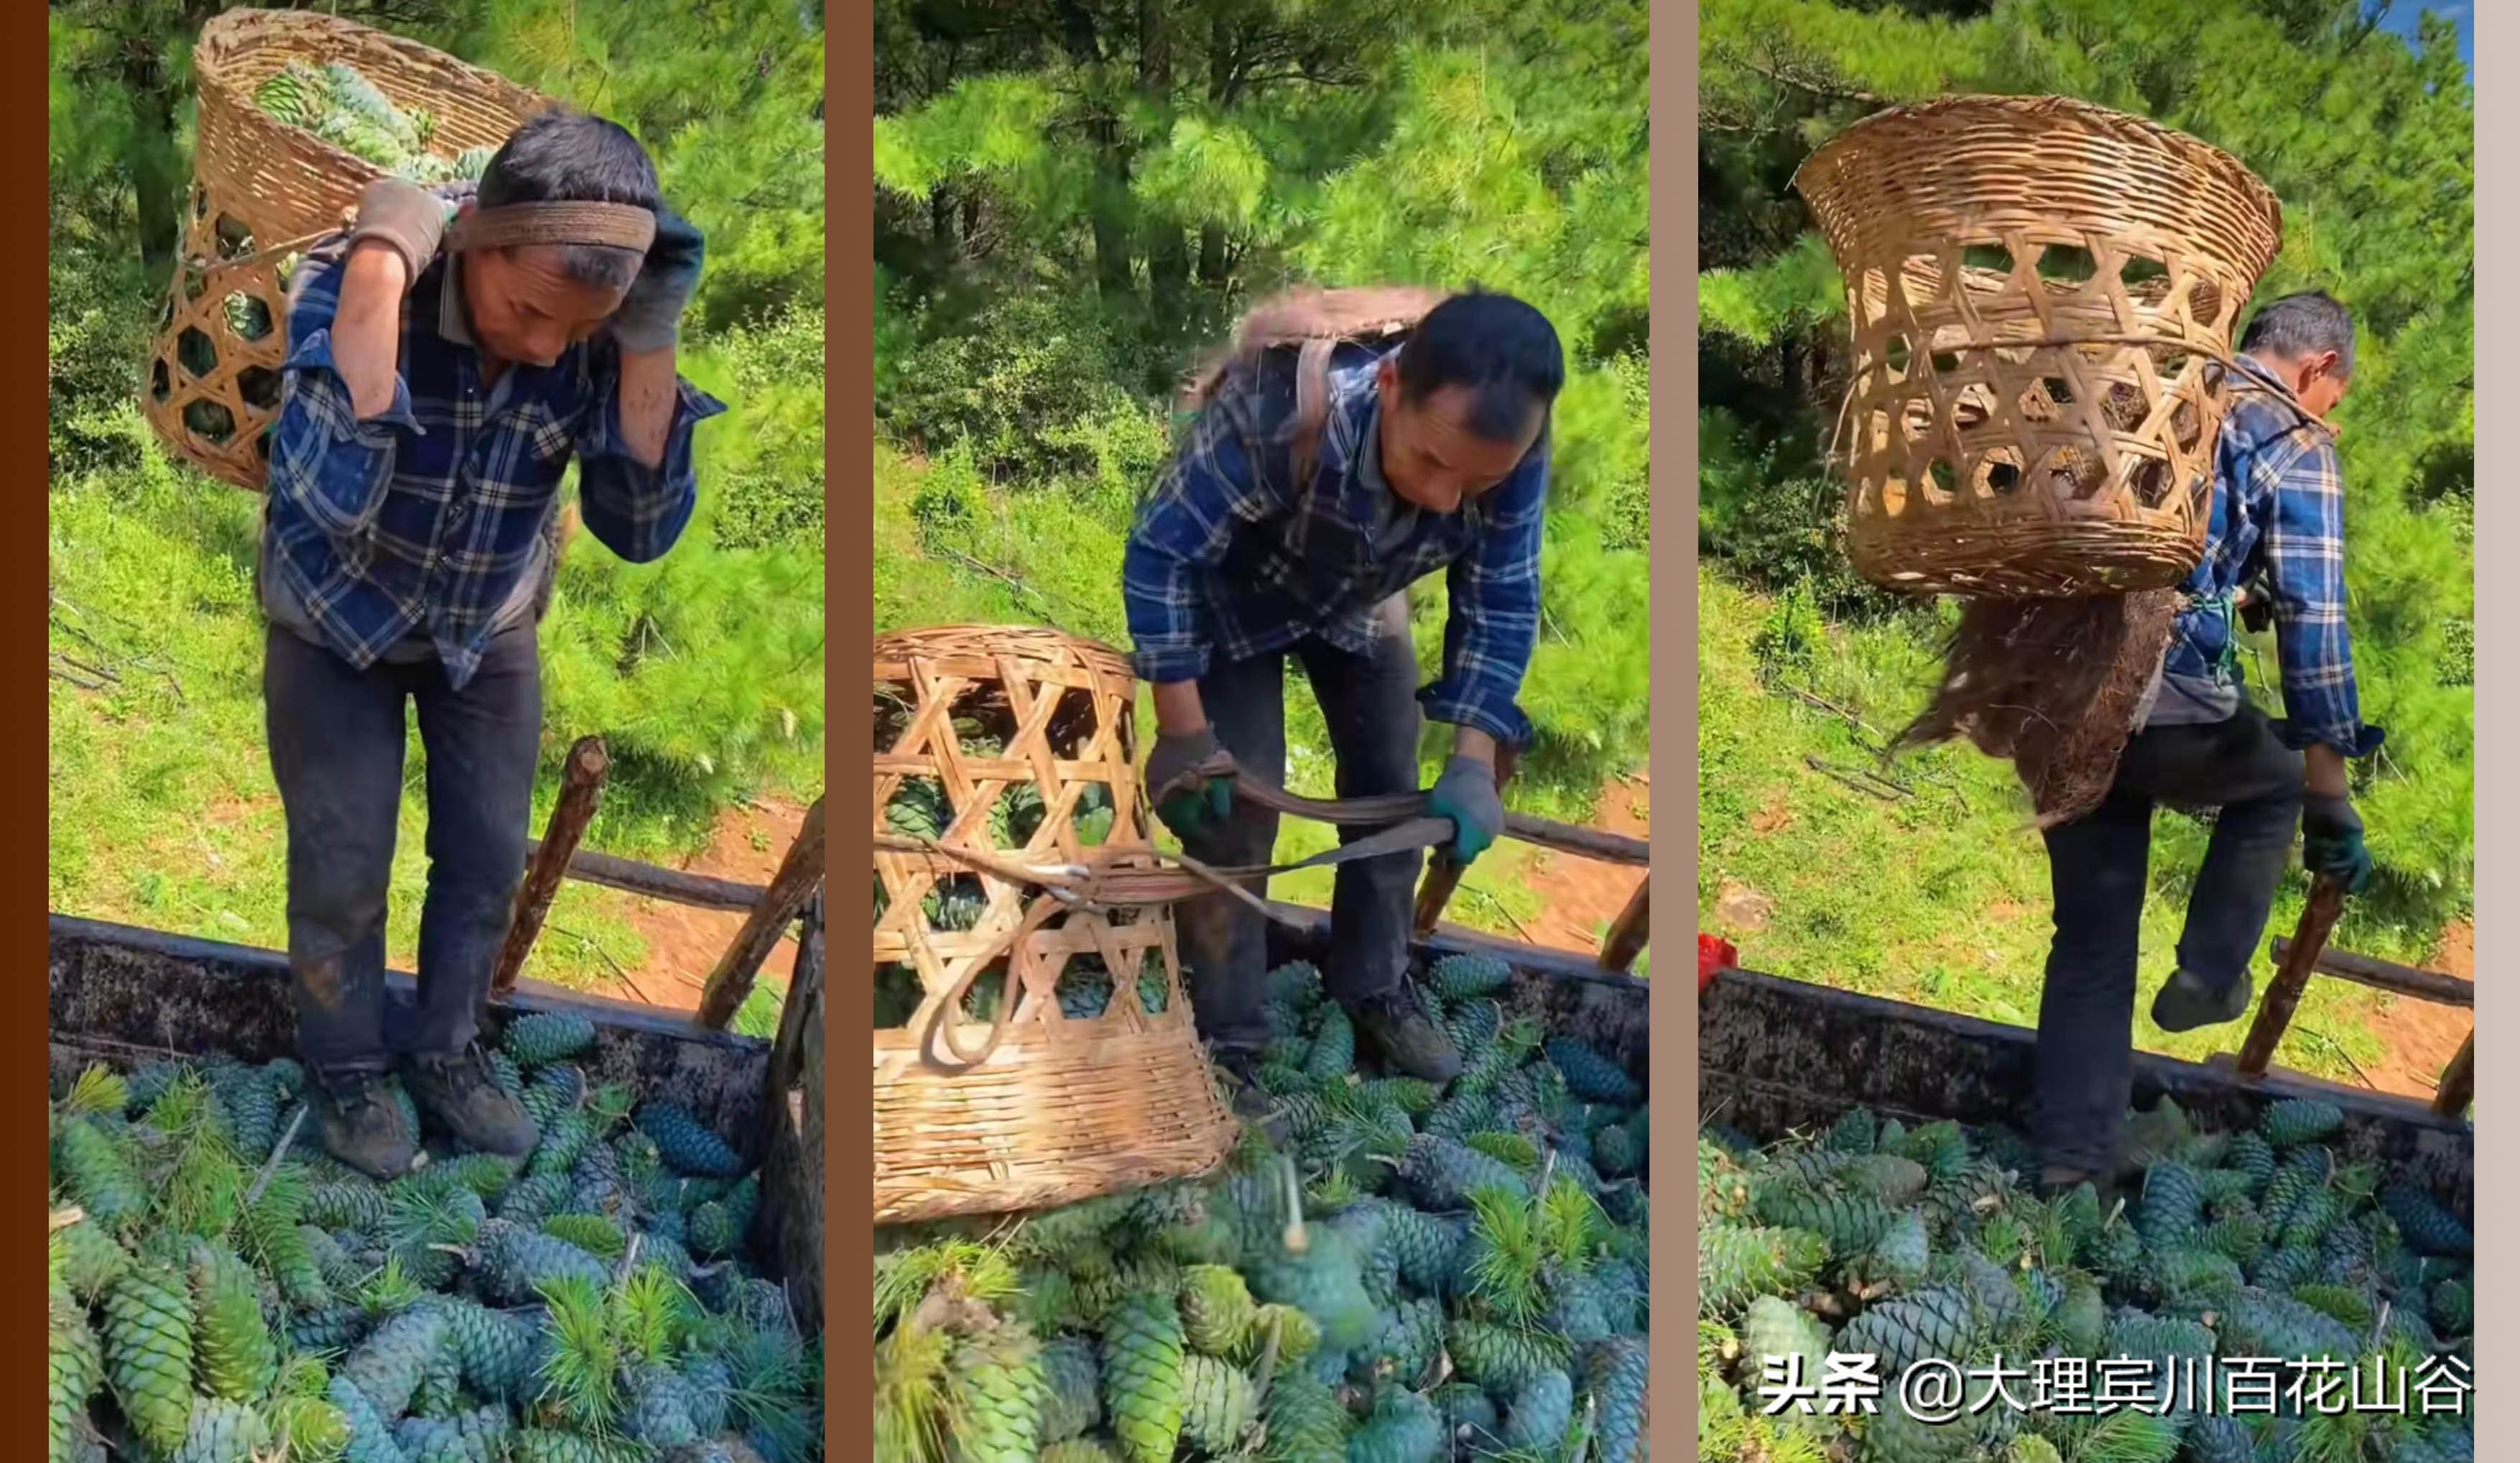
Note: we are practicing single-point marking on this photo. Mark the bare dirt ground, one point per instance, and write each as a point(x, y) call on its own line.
point(2419, 1036)
point(684, 943)
point(1579, 898)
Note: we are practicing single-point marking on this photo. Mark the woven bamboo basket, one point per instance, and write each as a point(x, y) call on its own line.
point(2042, 295)
point(261, 191)
point(1020, 743)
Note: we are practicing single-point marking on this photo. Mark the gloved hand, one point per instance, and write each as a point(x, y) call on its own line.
point(651, 314)
point(404, 215)
point(1467, 793)
point(2331, 841)
point(1191, 811)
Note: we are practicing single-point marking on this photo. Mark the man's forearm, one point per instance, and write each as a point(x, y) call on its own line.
point(647, 404)
point(367, 326)
point(1179, 712)
point(1474, 744)
point(2323, 769)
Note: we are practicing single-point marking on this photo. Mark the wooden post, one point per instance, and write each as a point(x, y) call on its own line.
point(581, 787)
point(799, 873)
point(788, 1225)
point(1626, 933)
point(2457, 1087)
point(1443, 875)
point(2283, 993)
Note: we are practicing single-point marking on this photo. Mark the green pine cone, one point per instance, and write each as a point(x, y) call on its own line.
point(2173, 1204)
point(1774, 1326)
point(1469, 1415)
point(1443, 1175)
point(222, 1431)
point(1325, 1282)
point(2293, 1121)
point(1856, 1130)
point(713, 1230)
point(1458, 978)
point(2262, 1323)
point(388, 1365)
point(370, 1438)
point(336, 1328)
point(1218, 1402)
point(97, 1168)
point(1851, 1223)
point(543, 1037)
point(1737, 1265)
point(2311, 1219)
point(2427, 1227)
point(595, 1234)
point(552, 1091)
point(441, 1380)
point(1502, 1359)
point(1071, 1401)
point(1142, 1352)
point(1938, 1322)
point(1216, 1308)
point(659, 1412)
point(1402, 1428)
point(92, 1261)
point(1305, 1422)
point(348, 1205)
point(1333, 1054)
point(234, 1355)
point(1614, 1377)
point(533, 1199)
point(1539, 1414)
point(77, 1368)
point(148, 1353)
point(1590, 1075)
point(686, 1144)
point(516, 1261)
point(2453, 1307)
point(1297, 1337)
point(545, 1445)
point(1616, 1153)
point(496, 1349)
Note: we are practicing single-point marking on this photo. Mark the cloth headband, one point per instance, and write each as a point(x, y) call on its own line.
point(621, 225)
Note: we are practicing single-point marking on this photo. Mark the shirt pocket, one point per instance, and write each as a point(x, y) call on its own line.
point(547, 432)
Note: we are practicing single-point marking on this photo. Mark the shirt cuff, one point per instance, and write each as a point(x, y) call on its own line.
point(2355, 742)
point(1448, 702)
point(692, 407)
point(1164, 666)
point(314, 355)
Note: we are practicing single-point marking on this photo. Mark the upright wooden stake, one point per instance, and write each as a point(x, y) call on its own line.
point(1626, 933)
point(2283, 993)
point(2457, 1087)
point(581, 787)
point(799, 873)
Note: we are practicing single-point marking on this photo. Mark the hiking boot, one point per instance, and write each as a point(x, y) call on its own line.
point(2188, 1001)
point(459, 1092)
point(1409, 1041)
point(361, 1125)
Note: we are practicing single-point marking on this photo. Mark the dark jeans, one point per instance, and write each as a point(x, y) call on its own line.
point(2099, 867)
point(336, 750)
point(1370, 702)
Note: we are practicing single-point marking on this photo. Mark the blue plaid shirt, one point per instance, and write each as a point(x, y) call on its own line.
point(423, 521)
point(2277, 519)
point(1229, 557)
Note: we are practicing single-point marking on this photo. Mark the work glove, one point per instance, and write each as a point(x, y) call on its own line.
point(1198, 806)
point(651, 314)
point(407, 217)
point(1467, 793)
point(2331, 841)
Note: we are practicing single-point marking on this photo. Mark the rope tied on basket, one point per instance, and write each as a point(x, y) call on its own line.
point(553, 221)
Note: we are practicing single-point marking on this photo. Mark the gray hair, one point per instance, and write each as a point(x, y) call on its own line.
point(605, 266)
point(2300, 326)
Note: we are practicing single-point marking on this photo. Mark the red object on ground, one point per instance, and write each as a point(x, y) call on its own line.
point(1713, 956)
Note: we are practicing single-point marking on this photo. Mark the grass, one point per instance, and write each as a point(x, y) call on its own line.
point(1939, 897)
point(162, 809)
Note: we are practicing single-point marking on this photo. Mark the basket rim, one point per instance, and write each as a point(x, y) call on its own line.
point(927, 640)
point(211, 82)
point(1890, 125)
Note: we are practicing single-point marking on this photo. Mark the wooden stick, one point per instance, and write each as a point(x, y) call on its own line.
point(581, 787)
point(2292, 978)
point(799, 875)
point(2391, 977)
point(631, 877)
point(1626, 935)
point(271, 1165)
point(1443, 872)
point(2457, 1087)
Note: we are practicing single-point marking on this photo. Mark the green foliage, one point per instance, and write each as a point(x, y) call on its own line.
point(2370, 145)
point(1063, 227)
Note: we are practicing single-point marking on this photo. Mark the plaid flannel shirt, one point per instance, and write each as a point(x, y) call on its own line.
point(2278, 517)
point(1231, 557)
point(423, 520)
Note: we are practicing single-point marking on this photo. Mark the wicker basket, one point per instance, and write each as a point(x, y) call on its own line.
point(2043, 295)
point(261, 191)
point(1054, 1108)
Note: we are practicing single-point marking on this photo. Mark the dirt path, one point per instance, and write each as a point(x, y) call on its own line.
point(684, 943)
point(1579, 898)
point(2419, 1037)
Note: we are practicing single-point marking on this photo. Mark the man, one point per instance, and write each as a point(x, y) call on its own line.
point(1266, 540)
point(2277, 521)
point(430, 401)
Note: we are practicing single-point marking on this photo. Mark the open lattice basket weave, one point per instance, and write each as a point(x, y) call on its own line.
point(2042, 294)
point(261, 191)
point(1019, 745)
